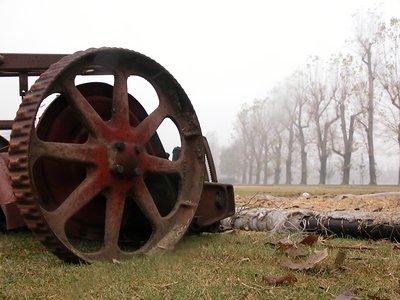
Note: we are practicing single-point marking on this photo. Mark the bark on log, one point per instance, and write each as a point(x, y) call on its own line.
point(373, 225)
point(343, 196)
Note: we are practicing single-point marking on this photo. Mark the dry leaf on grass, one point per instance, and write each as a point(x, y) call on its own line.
point(284, 244)
point(340, 258)
point(347, 295)
point(310, 239)
point(277, 280)
point(396, 247)
point(115, 261)
point(296, 252)
point(307, 264)
point(281, 244)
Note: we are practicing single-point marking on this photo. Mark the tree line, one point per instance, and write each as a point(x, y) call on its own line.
point(329, 116)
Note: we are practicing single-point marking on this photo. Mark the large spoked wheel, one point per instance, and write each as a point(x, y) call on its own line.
point(90, 174)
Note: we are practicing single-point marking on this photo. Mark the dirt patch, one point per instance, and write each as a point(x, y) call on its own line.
point(325, 203)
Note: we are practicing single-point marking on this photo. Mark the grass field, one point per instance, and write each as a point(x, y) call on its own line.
point(209, 266)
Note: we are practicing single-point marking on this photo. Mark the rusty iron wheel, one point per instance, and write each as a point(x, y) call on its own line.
point(93, 169)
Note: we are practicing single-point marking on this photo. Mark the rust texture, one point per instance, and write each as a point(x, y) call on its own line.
point(13, 64)
point(6, 192)
point(217, 203)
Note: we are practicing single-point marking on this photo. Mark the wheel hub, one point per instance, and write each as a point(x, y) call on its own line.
point(125, 159)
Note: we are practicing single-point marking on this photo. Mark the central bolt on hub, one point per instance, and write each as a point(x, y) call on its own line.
point(119, 169)
point(138, 149)
point(120, 146)
point(125, 159)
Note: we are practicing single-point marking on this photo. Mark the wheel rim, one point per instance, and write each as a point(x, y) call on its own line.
point(115, 159)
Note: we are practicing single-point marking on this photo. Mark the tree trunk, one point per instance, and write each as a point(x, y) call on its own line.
point(346, 168)
point(250, 176)
point(348, 147)
point(303, 167)
point(278, 160)
point(303, 157)
point(322, 172)
point(370, 129)
point(265, 180)
point(258, 173)
point(323, 158)
point(371, 157)
point(244, 171)
point(289, 156)
point(289, 171)
point(277, 175)
point(398, 141)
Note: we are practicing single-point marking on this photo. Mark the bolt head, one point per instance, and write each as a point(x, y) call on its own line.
point(120, 146)
point(138, 149)
point(119, 169)
point(137, 172)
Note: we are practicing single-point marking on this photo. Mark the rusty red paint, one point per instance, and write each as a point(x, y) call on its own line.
point(217, 203)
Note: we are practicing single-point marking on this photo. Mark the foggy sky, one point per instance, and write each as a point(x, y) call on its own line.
point(223, 53)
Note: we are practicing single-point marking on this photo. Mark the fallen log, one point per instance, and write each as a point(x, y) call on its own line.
point(385, 194)
point(371, 225)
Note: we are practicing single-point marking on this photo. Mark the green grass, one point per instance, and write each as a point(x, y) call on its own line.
point(209, 266)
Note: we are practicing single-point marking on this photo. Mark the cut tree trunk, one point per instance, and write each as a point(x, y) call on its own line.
point(371, 225)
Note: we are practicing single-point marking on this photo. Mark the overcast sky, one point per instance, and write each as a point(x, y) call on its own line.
point(223, 53)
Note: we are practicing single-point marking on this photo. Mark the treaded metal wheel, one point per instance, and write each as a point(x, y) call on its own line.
point(91, 177)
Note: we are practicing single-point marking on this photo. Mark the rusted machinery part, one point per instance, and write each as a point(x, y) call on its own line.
point(112, 162)
point(6, 193)
point(10, 218)
point(3, 144)
point(210, 162)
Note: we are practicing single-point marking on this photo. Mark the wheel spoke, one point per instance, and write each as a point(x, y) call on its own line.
point(160, 165)
point(120, 111)
point(82, 195)
point(85, 112)
point(81, 153)
point(147, 128)
point(114, 213)
point(146, 203)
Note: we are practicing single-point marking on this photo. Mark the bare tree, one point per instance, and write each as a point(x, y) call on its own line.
point(301, 119)
point(259, 137)
point(366, 39)
point(322, 111)
point(241, 137)
point(389, 75)
point(232, 163)
point(251, 130)
point(276, 149)
point(288, 163)
point(287, 122)
point(343, 74)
